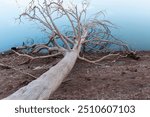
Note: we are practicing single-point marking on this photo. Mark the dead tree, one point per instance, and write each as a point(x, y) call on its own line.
point(83, 34)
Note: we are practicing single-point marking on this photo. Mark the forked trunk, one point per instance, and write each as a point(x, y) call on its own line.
point(47, 83)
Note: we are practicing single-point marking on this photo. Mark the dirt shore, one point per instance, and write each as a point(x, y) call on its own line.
point(123, 79)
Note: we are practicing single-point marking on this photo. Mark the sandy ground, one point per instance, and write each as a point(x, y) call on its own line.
point(123, 79)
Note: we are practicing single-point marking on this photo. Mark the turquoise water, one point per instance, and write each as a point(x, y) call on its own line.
point(132, 18)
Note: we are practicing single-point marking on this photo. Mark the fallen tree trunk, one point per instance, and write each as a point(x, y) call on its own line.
point(92, 34)
point(47, 83)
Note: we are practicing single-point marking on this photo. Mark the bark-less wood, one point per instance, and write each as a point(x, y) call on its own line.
point(47, 83)
point(82, 33)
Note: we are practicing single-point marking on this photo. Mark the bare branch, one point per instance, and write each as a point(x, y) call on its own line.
point(55, 27)
point(31, 58)
point(98, 60)
point(107, 41)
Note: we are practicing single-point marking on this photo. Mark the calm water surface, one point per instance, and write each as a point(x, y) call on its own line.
point(132, 17)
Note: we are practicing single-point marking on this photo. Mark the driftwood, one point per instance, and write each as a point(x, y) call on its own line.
point(47, 83)
point(82, 34)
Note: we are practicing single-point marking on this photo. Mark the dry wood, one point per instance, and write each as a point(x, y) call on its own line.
point(82, 33)
point(98, 60)
point(46, 84)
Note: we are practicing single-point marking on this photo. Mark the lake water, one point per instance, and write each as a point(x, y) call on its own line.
point(132, 18)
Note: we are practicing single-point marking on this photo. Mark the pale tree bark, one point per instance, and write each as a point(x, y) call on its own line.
point(44, 86)
point(47, 83)
point(89, 34)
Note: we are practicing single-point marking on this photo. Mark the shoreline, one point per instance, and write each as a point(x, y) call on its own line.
point(124, 79)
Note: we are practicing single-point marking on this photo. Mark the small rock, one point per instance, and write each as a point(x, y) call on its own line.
point(132, 69)
point(135, 70)
point(123, 73)
point(107, 66)
point(88, 79)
